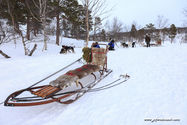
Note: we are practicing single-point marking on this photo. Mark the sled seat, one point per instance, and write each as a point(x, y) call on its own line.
point(46, 91)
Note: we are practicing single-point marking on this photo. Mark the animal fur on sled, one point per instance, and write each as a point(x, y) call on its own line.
point(73, 76)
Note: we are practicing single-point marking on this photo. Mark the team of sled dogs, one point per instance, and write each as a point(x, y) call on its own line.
point(65, 49)
point(129, 44)
point(70, 49)
point(133, 44)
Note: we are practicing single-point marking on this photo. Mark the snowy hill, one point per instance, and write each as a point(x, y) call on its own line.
point(157, 89)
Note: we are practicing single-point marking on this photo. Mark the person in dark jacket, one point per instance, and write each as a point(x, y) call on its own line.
point(147, 40)
point(111, 44)
point(96, 45)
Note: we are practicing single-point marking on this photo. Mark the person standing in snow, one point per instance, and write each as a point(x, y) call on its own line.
point(111, 44)
point(147, 40)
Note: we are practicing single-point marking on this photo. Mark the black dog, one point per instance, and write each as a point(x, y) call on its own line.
point(133, 44)
point(124, 45)
point(66, 49)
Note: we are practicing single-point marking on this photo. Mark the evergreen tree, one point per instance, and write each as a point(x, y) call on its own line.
point(133, 31)
point(90, 22)
point(57, 6)
point(74, 13)
point(140, 35)
point(18, 11)
point(172, 32)
point(80, 23)
point(150, 28)
point(97, 25)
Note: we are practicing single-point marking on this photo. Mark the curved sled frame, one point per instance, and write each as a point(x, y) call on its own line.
point(40, 100)
point(6, 103)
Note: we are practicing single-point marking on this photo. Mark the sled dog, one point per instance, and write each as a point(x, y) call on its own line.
point(66, 49)
point(124, 45)
point(133, 44)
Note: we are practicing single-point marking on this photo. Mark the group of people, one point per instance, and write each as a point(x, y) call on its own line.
point(111, 43)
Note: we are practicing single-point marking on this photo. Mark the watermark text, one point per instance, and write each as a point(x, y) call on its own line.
point(161, 119)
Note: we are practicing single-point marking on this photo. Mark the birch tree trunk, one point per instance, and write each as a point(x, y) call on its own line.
point(161, 23)
point(87, 25)
point(57, 28)
point(28, 27)
point(45, 35)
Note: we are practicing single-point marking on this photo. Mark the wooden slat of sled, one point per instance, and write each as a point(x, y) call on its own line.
point(46, 91)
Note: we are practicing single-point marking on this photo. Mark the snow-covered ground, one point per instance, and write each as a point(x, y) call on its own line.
point(157, 88)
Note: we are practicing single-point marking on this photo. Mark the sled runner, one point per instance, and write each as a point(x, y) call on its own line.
point(66, 88)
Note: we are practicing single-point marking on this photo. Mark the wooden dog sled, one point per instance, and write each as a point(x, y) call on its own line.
point(66, 88)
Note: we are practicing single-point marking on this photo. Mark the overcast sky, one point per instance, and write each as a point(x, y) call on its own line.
point(146, 11)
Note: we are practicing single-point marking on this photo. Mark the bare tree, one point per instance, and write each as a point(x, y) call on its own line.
point(5, 33)
point(4, 38)
point(41, 6)
point(126, 28)
point(116, 27)
point(183, 34)
point(98, 9)
point(107, 29)
point(126, 33)
point(185, 14)
point(161, 23)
